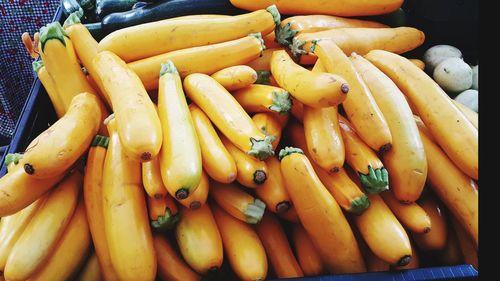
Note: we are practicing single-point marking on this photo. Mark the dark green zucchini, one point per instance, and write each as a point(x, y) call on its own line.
point(70, 6)
point(106, 7)
point(95, 30)
point(167, 9)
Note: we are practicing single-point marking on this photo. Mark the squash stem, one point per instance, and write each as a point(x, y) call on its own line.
point(282, 103)
point(288, 151)
point(255, 211)
point(51, 31)
point(262, 149)
point(375, 181)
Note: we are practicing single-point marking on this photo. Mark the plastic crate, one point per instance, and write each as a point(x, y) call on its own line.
point(38, 114)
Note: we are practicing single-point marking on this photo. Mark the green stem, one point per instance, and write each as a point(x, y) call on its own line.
point(282, 103)
point(375, 181)
point(101, 141)
point(262, 149)
point(52, 30)
point(314, 43)
point(288, 151)
point(168, 67)
point(37, 65)
point(165, 222)
point(258, 35)
point(255, 211)
point(73, 18)
point(273, 10)
point(359, 204)
point(12, 158)
point(285, 34)
point(297, 47)
point(263, 77)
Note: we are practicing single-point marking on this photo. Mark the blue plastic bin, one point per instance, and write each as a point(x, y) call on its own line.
point(38, 114)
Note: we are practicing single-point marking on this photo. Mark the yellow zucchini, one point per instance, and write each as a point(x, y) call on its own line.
point(138, 123)
point(180, 155)
point(204, 59)
point(58, 147)
point(215, 158)
point(48, 225)
point(228, 115)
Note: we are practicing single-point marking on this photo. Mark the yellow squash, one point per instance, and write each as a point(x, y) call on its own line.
point(199, 240)
point(271, 124)
point(228, 115)
point(451, 129)
point(237, 202)
point(126, 223)
point(264, 98)
point(315, 89)
point(57, 148)
point(180, 155)
point(11, 228)
point(70, 252)
point(273, 192)
point(216, 160)
point(175, 34)
point(242, 245)
point(137, 122)
point(405, 161)
point(235, 77)
point(320, 214)
point(204, 59)
point(48, 225)
point(360, 106)
point(50, 87)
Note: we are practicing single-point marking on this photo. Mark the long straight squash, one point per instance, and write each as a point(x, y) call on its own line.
point(180, 155)
point(278, 248)
point(59, 57)
point(171, 267)
point(320, 214)
point(405, 161)
point(315, 89)
point(137, 122)
point(383, 233)
point(228, 115)
point(50, 87)
point(93, 198)
point(455, 189)
point(363, 159)
point(242, 246)
point(216, 160)
point(451, 129)
point(273, 192)
point(175, 34)
point(346, 192)
point(292, 26)
point(362, 40)
point(360, 106)
point(85, 48)
point(308, 257)
point(203, 59)
point(48, 224)
point(57, 148)
point(345, 8)
point(237, 202)
point(199, 239)
point(11, 228)
point(76, 240)
point(126, 223)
